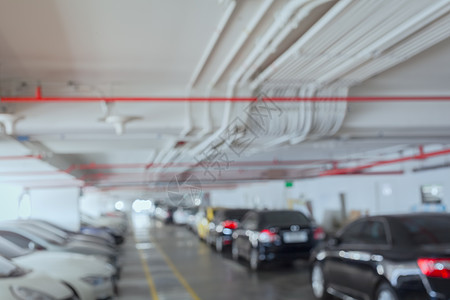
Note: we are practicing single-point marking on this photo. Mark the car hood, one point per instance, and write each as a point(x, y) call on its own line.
point(62, 264)
point(89, 248)
point(36, 281)
point(90, 239)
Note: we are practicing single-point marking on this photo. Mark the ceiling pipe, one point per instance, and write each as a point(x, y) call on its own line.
point(212, 43)
point(223, 99)
point(274, 39)
point(389, 40)
point(337, 9)
point(273, 30)
point(259, 14)
point(420, 156)
point(94, 166)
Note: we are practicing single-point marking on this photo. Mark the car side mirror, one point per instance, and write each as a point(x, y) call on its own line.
point(333, 241)
point(31, 246)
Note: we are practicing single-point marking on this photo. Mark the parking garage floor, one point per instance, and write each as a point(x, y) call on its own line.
point(165, 262)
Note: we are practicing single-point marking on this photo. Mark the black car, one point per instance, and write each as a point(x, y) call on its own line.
point(386, 258)
point(223, 225)
point(280, 235)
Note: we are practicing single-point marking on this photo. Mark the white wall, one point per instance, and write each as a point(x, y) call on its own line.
point(59, 206)
point(96, 203)
point(375, 194)
point(258, 195)
point(9, 199)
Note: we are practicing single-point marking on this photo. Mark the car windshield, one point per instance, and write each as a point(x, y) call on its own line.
point(425, 230)
point(44, 234)
point(51, 228)
point(284, 218)
point(11, 250)
point(8, 269)
point(235, 214)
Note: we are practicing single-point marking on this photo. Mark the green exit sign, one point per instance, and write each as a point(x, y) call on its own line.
point(289, 183)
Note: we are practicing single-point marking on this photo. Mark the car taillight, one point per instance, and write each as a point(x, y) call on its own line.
point(435, 267)
point(229, 224)
point(267, 236)
point(319, 234)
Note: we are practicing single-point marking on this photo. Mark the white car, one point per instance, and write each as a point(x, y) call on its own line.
point(117, 224)
point(180, 216)
point(87, 276)
point(31, 237)
point(19, 284)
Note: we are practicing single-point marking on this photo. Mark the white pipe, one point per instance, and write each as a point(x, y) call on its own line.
point(189, 125)
point(358, 40)
point(298, 67)
point(225, 122)
point(393, 37)
point(240, 42)
point(432, 35)
point(279, 23)
point(212, 42)
point(317, 27)
point(280, 37)
point(208, 121)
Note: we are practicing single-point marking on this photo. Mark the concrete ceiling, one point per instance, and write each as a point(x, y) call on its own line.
point(205, 48)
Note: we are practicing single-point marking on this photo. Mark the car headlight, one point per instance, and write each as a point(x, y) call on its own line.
point(24, 293)
point(95, 280)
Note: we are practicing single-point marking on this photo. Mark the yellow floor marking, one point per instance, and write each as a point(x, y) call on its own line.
point(148, 275)
point(177, 273)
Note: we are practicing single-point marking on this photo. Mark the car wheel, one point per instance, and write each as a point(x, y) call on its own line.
point(254, 260)
point(318, 282)
point(219, 244)
point(235, 251)
point(386, 292)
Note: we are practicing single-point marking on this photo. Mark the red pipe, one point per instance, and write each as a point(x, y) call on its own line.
point(420, 156)
point(220, 99)
point(38, 98)
point(94, 166)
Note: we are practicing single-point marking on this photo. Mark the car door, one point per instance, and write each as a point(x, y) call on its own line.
point(337, 272)
point(358, 254)
point(245, 232)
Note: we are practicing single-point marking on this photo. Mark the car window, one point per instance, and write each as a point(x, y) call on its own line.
point(421, 230)
point(352, 233)
point(251, 222)
point(284, 218)
point(373, 232)
point(234, 214)
point(10, 250)
point(15, 238)
point(45, 235)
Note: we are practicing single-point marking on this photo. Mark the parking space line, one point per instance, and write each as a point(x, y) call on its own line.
point(148, 275)
point(176, 272)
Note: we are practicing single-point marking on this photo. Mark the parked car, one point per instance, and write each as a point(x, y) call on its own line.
point(203, 222)
point(29, 237)
point(164, 213)
point(87, 276)
point(116, 226)
point(181, 215)
point(17, 283)
point(102, 232)
point(386, 258)
point(69, 235)
point(278, 235)
point(223, 225)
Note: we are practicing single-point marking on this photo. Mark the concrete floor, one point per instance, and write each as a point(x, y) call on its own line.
point(167, 262)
